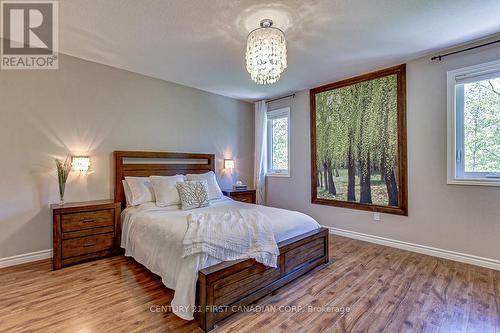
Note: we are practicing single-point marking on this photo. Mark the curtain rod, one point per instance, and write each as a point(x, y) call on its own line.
point(441, 56)
point(277, 99)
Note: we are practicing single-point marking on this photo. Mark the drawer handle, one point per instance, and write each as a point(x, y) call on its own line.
point(243, 200)
point(88, 220)
point(88, 245)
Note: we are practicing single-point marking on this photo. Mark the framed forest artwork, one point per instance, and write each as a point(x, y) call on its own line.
point(358, 142)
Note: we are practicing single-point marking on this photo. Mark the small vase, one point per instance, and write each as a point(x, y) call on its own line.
point(62, 187)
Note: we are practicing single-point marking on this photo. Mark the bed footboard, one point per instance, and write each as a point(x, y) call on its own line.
point(224, 288)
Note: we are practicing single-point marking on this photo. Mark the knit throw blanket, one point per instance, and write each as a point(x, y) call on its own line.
point(231, 235)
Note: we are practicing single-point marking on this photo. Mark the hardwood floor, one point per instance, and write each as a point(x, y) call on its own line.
point(384, 289)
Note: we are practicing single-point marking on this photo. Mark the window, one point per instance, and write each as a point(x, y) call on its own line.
point(474, 125)
point(278, 142)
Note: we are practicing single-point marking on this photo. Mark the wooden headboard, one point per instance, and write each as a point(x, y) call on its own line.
point(148, 163)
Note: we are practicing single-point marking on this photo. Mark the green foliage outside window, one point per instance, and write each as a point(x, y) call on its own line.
point(279, 144)
point(482, 126)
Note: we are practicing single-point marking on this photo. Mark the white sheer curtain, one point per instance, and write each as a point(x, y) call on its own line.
point(260, 168)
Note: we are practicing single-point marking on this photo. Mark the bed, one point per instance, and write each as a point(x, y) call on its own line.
point(153, 237)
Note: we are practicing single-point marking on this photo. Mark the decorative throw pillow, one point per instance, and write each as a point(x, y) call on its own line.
point(165, 189)
point(141, 190)
point(214, 191)
point(193, 194)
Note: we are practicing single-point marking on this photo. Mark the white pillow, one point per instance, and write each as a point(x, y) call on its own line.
point(214, 191)
point(141, 190)
point(166, 193)
point(128, 195)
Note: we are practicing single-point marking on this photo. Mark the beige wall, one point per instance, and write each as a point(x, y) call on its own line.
point(87, 107)
point(457, 218)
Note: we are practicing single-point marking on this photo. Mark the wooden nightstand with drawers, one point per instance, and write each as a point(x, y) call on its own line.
point(247, 196)
point(84, 231)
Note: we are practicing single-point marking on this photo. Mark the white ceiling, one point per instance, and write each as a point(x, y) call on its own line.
point(201, 43)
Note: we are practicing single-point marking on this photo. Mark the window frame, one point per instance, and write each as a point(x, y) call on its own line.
point(455, 142)
point(271, 115)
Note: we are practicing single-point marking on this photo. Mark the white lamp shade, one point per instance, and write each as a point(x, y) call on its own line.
point(228, 164)
point(80, 163)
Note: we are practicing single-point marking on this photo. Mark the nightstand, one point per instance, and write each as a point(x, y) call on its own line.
point(84, 231)
point(247, 196)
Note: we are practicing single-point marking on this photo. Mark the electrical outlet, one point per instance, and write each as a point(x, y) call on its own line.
point(376, 216)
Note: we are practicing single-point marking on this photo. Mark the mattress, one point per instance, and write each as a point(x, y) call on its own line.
point(153, 237)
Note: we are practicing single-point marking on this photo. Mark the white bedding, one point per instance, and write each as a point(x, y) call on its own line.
point(231, 234)
point(153, 237)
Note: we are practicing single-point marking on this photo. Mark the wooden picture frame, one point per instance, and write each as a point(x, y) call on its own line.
point(389, 83)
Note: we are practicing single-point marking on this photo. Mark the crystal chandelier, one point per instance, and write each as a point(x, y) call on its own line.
point(266, 53)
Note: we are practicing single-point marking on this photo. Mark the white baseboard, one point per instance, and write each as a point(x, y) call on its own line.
point(24, 258)
point(432, 251)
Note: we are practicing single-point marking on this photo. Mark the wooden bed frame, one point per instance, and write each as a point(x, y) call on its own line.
point(224, 288)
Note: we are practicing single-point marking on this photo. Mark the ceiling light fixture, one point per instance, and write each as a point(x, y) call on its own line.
point(266, 53)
